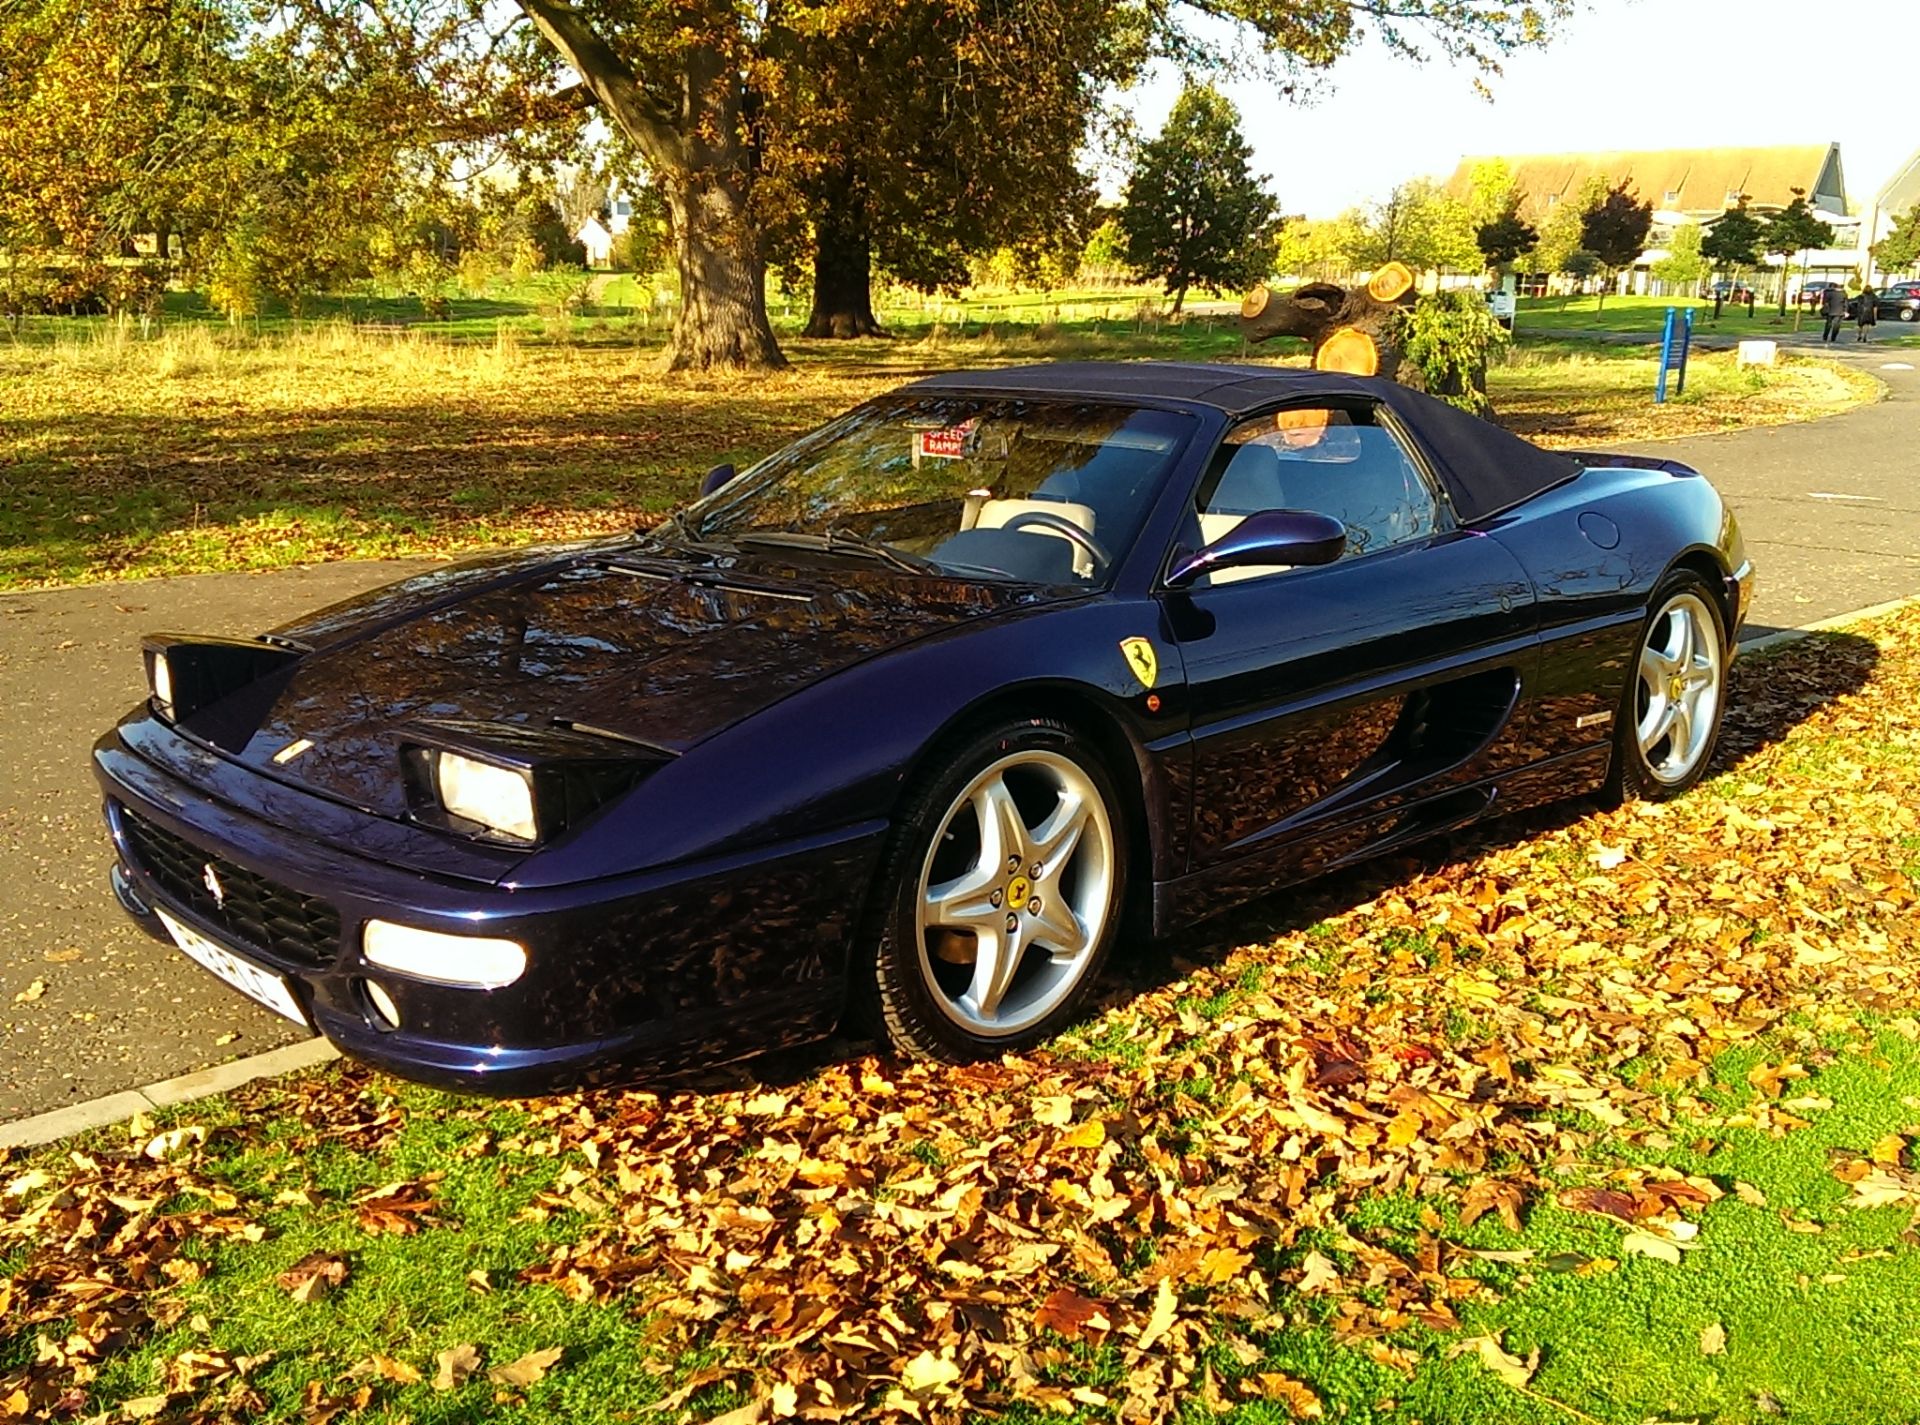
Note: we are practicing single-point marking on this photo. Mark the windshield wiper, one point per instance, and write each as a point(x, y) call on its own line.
point(843, 541)
point(839, 537)
point(673, 528)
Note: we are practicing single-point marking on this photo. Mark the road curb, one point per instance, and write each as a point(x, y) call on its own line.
point(60, 1123)
point(51, 1127)
point(1826, 625)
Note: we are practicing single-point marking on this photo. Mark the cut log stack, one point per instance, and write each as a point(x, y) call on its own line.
point(1353, 329)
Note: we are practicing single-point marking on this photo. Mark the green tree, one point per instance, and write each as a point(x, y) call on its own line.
point(1421, 225)
point(1793, 229)
point(1320, 250)
point(1614, 229)
point(1899, 250)
point(1194, 213)
point(1503, 238)
point(1683, 263)
point(1733, 243)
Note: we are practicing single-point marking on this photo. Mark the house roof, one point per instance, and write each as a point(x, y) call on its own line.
point(1699, 178)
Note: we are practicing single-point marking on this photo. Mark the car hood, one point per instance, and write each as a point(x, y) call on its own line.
point(658, 651)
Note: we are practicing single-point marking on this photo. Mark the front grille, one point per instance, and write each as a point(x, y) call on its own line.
point(253, 910)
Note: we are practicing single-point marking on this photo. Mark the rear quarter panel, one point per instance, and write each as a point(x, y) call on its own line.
point(1595, 549)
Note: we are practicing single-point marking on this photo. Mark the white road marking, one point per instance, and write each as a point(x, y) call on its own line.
point(1857, 499)
point(1896, 366)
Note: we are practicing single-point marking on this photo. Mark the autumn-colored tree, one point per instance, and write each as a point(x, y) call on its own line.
point(1195, 214)
point(1614, 229)
point(1421, 225)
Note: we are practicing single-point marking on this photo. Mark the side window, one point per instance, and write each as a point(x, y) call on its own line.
point(1330, 459)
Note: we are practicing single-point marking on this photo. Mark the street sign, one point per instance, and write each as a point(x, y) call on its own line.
point(1675, 342)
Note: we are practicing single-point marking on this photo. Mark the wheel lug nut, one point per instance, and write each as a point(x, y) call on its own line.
point(1033, 906)
point(1013, 863)
point(994, 900)
point(1013, 923)
point(1035, 870)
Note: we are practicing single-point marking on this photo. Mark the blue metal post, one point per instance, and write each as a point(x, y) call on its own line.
point(1666, 351)
point(1686, 351)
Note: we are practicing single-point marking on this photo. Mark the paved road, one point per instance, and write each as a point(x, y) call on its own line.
point(1831, 508)
point(89, 1006)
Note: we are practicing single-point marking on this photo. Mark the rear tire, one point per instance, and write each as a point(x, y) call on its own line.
point(1668, 722)
point(1000, 896)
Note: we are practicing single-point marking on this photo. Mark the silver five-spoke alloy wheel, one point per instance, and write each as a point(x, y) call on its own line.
point(1016, 892)
point(1682, 668)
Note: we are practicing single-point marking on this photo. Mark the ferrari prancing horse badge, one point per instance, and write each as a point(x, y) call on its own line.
point(1142, 659)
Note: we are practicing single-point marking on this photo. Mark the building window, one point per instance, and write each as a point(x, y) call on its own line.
point(1734, 195)
point(1672, 197)
point(623, 208)
point(1552, 199)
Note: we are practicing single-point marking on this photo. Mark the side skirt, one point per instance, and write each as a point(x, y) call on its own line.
point(1341, 840)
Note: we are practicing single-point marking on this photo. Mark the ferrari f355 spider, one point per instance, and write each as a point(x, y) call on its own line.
point(916, 718)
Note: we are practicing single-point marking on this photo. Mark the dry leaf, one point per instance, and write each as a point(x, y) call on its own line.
point(1295, 1395)
point(1160, 1321)
point(1713, 1340)
point(313, 1276)
point(926, 1372)
point(456, 1363)
point(529, 1369)
point(1496, 1358)
point(1647, 1244)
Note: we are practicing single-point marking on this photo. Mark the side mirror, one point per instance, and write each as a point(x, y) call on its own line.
point(715, 478)
point(1270, 537)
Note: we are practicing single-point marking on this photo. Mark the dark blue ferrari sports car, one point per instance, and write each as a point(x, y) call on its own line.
point(916, 718)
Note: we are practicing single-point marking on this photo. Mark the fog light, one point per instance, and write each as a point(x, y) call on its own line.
point(474, 962)
point(384, 1009)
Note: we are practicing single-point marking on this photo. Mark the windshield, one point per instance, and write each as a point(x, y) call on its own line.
point(1046, 492)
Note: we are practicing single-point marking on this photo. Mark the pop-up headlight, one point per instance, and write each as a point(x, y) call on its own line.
point(498, 798)
point(186, 674)
point(513, 783)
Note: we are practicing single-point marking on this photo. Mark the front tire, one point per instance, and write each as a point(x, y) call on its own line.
point(1000, 896)
point(1669, 716)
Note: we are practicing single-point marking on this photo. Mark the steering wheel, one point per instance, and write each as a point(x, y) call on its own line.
point(1068, 530)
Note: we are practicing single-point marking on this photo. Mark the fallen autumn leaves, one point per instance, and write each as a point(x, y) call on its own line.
point(1166, 1187)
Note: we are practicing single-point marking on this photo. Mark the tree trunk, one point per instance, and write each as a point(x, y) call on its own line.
point(842, 265)
point(721, 322)
point(1179, 298)
point(696, 141)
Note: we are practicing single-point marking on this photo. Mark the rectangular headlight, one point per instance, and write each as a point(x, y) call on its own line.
point(498, 798)
point(162, 683)
point(474, 962)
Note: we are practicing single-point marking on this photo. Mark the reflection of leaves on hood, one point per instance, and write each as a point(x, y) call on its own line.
point(1488, 1035)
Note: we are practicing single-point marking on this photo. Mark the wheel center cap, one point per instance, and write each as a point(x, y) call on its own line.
point(1677, 687)
point(1017, 892)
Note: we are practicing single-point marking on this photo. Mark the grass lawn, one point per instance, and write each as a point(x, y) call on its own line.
point(203, 447)
point(1645, 316)
point(1601, 1116)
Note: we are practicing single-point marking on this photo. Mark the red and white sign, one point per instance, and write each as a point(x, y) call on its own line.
point(947, 443)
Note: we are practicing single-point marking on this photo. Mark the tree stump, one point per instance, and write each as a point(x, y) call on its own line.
point(1354, 329)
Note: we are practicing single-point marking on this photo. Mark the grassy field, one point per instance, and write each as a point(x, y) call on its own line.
point(1600, 1116)
point(203, 447)
point(1645, 316)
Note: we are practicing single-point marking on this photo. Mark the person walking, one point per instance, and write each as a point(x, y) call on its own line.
point(1833, 306)
point(1865, 312)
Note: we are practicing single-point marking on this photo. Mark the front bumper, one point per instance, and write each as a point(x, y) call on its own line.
point(642, 976)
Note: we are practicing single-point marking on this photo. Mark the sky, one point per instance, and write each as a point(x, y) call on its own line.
point(1622, 74)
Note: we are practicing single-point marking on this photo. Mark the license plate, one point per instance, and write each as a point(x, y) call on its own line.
point(250, 979)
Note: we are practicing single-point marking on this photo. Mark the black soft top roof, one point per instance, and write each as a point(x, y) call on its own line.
point(1486, 469)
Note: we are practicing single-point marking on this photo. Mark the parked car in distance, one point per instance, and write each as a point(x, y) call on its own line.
point(1900, 302)
point(1813, 292)
point(1731, 291)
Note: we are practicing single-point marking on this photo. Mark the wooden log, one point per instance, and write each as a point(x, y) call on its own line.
point(1350, 350)
point(1319, 310)
point(1393, 281)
